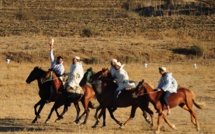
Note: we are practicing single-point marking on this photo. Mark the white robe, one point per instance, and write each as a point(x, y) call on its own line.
point(168, 83)
point(75, 75)
point(122, 80)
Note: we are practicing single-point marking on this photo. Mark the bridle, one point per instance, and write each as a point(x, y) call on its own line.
point(141, 87)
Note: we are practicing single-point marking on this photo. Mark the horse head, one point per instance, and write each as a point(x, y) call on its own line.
point(35, 74)
point(99, 75)
point(140, 89)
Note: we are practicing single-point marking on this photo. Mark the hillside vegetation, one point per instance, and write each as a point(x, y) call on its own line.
point(131, 30)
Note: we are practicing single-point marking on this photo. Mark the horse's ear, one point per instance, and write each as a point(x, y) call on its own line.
point(90, 69)
point(142, 81)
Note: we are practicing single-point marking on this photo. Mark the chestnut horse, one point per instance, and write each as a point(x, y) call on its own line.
point(183, 98)
point(61, 99)
point(44, 91)
point(125, 99)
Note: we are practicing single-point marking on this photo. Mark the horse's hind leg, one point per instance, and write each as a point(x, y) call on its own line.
point(193, 114)
point(55, 106)
point(184, 106)
point(60, 116)
point(149, 111)
point(133, 110)
point(77, 112)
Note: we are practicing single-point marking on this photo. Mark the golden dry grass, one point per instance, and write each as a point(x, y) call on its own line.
point(17, 100)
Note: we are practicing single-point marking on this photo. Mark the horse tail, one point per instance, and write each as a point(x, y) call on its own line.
point(199, 105)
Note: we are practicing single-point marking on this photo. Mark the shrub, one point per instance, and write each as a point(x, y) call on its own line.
point(198, 50)
point(24, 15)
point(89, 31)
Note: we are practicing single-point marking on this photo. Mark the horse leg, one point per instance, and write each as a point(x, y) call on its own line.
point(100, 114)
point(53, 108)
point(37, 113)
point(113, 117)
point(77, 112)
point(149, 111)
point(194, 120)
point(132, 115)
point(159, 122)
point(168, 122)
point(96, 113)
point(86, 109)
point(60, 116)
point(184, 106)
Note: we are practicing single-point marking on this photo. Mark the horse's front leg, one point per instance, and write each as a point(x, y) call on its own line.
point(96, 113)
point(159, 122)
point(113, 117)
point(37, 113)
point(100, 114)
point(168, 122)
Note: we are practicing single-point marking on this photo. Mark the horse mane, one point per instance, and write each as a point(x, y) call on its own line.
point(148, 85)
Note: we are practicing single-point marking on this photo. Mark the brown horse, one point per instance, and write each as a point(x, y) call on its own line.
point(62, 94)
point(125, 99)
point(183, 98)
point(44, 92)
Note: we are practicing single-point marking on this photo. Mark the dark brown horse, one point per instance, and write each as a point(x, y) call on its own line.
point(125, 99)
point(183, 98)
point(44, 91)
point(61, 99)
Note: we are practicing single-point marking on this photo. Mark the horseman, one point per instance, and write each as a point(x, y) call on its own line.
point(74, 77)
point(122, 80)
point(112, 67)
point(168, 85)
point(57, 66)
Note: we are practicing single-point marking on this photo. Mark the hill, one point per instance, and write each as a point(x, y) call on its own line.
point(169, 28)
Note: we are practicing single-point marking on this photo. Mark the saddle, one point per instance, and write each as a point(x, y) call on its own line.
point(76, 90)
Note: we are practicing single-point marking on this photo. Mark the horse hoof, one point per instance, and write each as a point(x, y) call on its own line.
point(198, 129)
point(94, 126)
point(82, 124)
point(76, 122)
point(157, 132)
point(122, 126)
point(174, 127)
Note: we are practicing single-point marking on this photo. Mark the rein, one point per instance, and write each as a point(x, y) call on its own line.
point(50, 78)
point(152, 92)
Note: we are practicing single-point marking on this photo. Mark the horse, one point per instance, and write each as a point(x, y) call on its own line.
point(125, 99)
point(184, 98)
point(61, 99)
point(44, 92)
point(97, 87)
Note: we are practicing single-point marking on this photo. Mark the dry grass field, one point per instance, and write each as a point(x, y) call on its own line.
point(133, 31)
point(17, 100)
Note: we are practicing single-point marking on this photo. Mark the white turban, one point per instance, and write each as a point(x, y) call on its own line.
point(76, 57)
point(162, 68)
point(118, 64)
point(114, 61)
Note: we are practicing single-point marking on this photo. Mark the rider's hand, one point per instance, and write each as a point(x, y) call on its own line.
point(158, 89)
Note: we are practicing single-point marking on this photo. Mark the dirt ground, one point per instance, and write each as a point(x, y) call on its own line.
point(18, 98)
